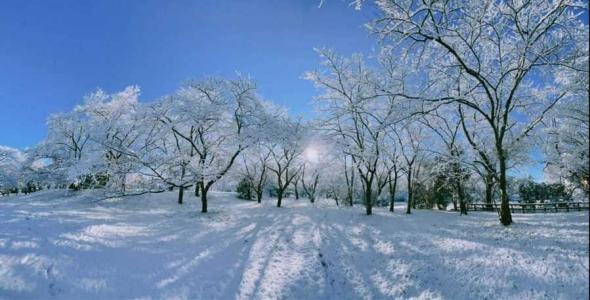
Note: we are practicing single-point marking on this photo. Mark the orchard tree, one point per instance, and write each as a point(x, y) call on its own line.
point(216, 119)
point(285, 151)
point(392, 165)
point(113, 122)
point(411, 139)
point(339, 179)
point(566, 143)
point(317, 159)
point(254, 168)
point(67, 143)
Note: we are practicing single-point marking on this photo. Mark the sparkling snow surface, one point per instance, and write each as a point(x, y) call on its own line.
point(63, 245)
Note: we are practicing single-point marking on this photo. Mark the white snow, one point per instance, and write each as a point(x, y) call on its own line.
point(56, 244)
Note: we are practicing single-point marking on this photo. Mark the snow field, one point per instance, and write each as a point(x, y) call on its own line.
point(70, 245)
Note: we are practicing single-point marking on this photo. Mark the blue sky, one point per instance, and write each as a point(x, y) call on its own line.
point(52, 53)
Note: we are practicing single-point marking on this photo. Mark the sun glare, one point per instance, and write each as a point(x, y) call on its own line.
point(311, 154)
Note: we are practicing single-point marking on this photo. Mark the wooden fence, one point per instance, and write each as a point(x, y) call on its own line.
point(532, 207)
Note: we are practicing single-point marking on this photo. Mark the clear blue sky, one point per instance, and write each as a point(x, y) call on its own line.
point(52, 53)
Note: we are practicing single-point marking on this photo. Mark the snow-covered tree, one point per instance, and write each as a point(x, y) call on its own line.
point(318, 157)
point(356, 113)
point(113, 123)
point(446, 125)
point(285, 148)
point(498, 59)
point(254, 168)
point(215, 119)
point(66, 143)
point(411, 138)
point(566, 144)
point(390, 166)
point(11, 162)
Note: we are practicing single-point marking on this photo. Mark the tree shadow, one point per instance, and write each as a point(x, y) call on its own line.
point(151, 247)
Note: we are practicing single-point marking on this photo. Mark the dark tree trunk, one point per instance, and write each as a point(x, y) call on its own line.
point(455, 205)
point(259, 195)
point(489, 191)
point(180, 194)
point(505, 215)
point(349, 184)
point(368, 200)
point(410, 192)
point(461, 194)
point(204, 199)
point(197, 189)
point(279, 197)
point(392, 188)
point(391, 202)
point(463, 208)
point(296, 191)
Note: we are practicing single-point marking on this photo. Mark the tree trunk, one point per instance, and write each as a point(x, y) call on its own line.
point(461, 194)
point(123, 181)
point(392, 188)
point(391, 200)
point(180, 194)
point(410, 192)
point(204, 200)
point(259, 195)
point(368, 202)
point(197, 189)
point(349, 184)
point(505, 215)
point(463, 208)
point(296, 191)
point(489, 191)
point(279, 197)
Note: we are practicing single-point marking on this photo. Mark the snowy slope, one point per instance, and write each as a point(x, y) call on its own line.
point(55, 244)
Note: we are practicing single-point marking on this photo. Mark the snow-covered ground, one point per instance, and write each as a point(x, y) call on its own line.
point(55, 244)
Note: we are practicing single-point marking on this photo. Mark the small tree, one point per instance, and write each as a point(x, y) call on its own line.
point(284, 153)
point(245, 188)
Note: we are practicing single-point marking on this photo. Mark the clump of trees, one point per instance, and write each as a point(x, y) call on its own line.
point(458, 94)
point(501, 65)
point(533, 192)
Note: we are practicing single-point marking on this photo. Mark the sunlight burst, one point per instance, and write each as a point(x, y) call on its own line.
point(311, 154)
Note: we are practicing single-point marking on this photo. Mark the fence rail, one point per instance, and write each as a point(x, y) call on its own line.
point(532, 207)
